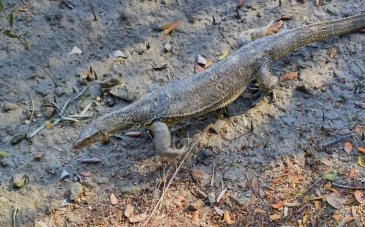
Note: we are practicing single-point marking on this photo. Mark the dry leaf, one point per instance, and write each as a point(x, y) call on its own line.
point(359, 197)
point(336, 217)
point(240, 4)
point(317, 204)
point(209, 63)
point(275, 27)
point(335, 201)
point(223, 55)
point(113, 199)
point(278, 205)
point(75, 50)
point(275, 217)
point(344, 221)
point(159, 68)
point(227, 218)
point(199, 174)
point(133, 133)
point(284, 17)
point(347, 147)
point(137, 218)
point(195, 216)
point(49, 125)
point(318, 3)
point(328, 187)
point(361, 150)
point(290, 76)
point(128, 210)
point(361, 162)
point(352, 174)
point(361, 105)
point(198, 68)
point(169, 28)
point(333, 53)
point(255, 185)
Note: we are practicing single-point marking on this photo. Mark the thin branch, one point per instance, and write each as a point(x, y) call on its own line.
point(169, 183)
point(347, 187)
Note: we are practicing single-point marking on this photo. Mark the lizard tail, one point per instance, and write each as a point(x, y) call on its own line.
point(293, 39)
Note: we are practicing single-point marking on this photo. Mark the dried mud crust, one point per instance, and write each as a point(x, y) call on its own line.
point(267, 158)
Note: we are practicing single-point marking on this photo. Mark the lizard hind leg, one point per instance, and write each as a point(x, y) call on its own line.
point(265, 77)
point(162, 141)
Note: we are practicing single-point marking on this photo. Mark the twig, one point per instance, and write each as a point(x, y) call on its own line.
point(212, 179)
point(14, 216)
point(169, 183)
point(347, 187)
point(314, 184)
point(32, 114)
point(61, 115)
point(93, 10)
point(335, 141)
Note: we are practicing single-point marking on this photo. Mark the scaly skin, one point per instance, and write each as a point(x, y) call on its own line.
point(217, 86)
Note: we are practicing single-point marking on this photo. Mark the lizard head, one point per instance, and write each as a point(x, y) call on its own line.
point(89, 136)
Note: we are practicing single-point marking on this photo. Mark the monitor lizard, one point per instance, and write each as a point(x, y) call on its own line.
point(214, 88)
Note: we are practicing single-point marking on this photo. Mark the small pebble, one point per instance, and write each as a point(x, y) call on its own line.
point(48, 112)
point(19, 180)
point(168, 47)
point(10, 106)
point(113, 199)
point(201, 60)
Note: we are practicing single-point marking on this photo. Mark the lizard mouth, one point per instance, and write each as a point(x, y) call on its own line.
point(86, 138)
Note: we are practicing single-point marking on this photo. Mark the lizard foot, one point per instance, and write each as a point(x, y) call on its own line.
point(162, 141)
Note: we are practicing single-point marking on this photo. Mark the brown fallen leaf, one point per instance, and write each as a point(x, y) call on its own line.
point(275, 27)
point(133, 133)
point(255, 185)
point(336, 217)
point(335, 201)
point(227, 218)
point(113, 199)
point(352, 174)
point(137, 218)
point(347, 147)
point(240, 4)
point(285, 17)
point(361, 150)
point(89, 75)
point(328, 187)
point(195, 216)
point(318, 3)
point(278, 205)
point(159, 68)
point(359, 197)
point(275, 217)
point(129, 209)
point(317, 204)
point(169, 28)
point(333, 53)
point(289, 76)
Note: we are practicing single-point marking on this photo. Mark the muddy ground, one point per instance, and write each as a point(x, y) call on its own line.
point(267, 160)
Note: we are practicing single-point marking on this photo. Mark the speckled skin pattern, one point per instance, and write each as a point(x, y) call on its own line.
point(217, 86)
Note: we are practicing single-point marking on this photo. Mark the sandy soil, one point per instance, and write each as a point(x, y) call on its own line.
point(267, 159)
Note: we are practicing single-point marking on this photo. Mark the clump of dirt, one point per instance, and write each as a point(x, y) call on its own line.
point(277, 163)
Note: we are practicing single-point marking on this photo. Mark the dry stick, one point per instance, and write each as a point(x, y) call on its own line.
point(14, 216)
point(32, 114)
point(168, 184)
point(347, 187)
point(61, 116)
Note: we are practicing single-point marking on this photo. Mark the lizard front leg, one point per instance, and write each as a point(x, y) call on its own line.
point(162, 141)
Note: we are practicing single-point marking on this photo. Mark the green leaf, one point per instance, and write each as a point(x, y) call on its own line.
point(3, 154)
point(1, 6)
point(330, 176)
point(10, 34)
point(11, 19)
